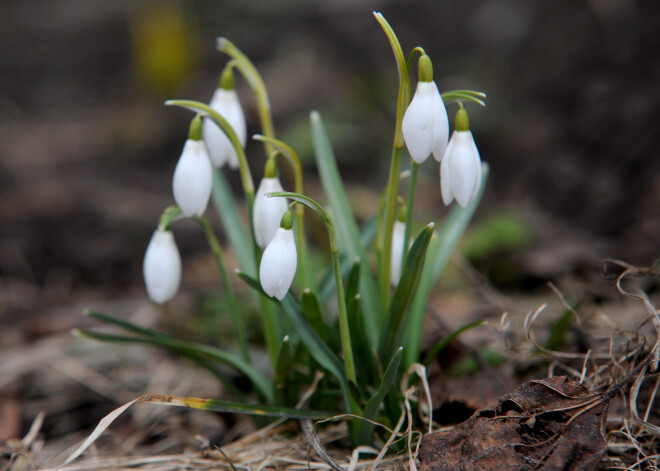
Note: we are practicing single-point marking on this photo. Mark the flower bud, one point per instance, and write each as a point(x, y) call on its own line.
point(221, 150)
point(162, 267)
point(279, 262)
point(193, 179)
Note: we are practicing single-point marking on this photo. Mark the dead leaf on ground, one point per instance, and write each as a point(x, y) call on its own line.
point(547, 424)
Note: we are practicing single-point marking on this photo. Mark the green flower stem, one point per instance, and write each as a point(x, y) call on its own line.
point(414, 167)
point(403, 99)
point(304, 278)
point(170, 214)
point(386, 230)
point(239, 328)
point(344, 330)
point(249, 71)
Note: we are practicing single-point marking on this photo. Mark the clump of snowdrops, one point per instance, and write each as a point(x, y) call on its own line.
point(357, 324)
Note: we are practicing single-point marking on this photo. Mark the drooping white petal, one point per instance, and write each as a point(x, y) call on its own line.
point(460, 171)
point(267, 212)
point(278, 264)
point(445, 181)
point(440, 126)
point(193, 179)
point(396, 259)
point(162, 267)
point(226, 103)
point(418, 124)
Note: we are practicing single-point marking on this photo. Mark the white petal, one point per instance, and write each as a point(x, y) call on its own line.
point(396, 260)
point(464, 167)
point(445, 182)
point(267, 212)
point(418, 122)
point(440, 126)
point(278, 264)
point(193, 179)
point(162, 267)
point(226, 103)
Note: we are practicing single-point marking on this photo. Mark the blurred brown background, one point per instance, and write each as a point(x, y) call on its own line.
point(87, 148)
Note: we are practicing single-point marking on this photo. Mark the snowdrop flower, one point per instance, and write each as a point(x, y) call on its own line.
point(225, 102)
point(193, 175)
point(279, 260)
point(267, 212)
point(460, 170)
point(425, 125)
point(396, 259)
point(162, 267)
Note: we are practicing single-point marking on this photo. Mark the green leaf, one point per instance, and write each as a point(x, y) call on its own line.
point(445, 341)
point(232, 223)
point(256, 409)
point(366, 429)
point(284, 393)
point(439, 251)
point(191, 349)
point(312, 311)
point(347, 229)
point(316, 346)
point(392, 332)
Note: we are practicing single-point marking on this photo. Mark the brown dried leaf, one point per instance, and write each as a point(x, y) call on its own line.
point(548, 424)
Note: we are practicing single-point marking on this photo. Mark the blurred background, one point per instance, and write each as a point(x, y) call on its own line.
point(87, 149)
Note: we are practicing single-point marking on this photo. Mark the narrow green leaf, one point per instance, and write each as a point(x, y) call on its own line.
point(390, 340)
point(347, 230)
point(284, 392)
point(439, 251)
point(190, 348)
point(353, 281)
point(316, 346)
point(445, 341)
point(232, 223)
point(256, 409)
point(366, 429)
point(311, 308)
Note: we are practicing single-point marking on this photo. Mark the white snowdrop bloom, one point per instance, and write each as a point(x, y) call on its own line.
point(278, 264)
point(460, 170)
point(193, 179)
point(267, 212)
point(396, 259)
point(221, 151)
point(425, 125)
point(162, 267)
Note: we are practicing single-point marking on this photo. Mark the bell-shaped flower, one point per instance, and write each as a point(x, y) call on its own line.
point(267, 212)
point(193, 175)
point(460, 170)
point(225, 102)
point(396, 259)
point(425, 124)
point(279, 261)
point(162, 267)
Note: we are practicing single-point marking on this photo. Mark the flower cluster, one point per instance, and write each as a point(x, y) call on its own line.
point(426, 129)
